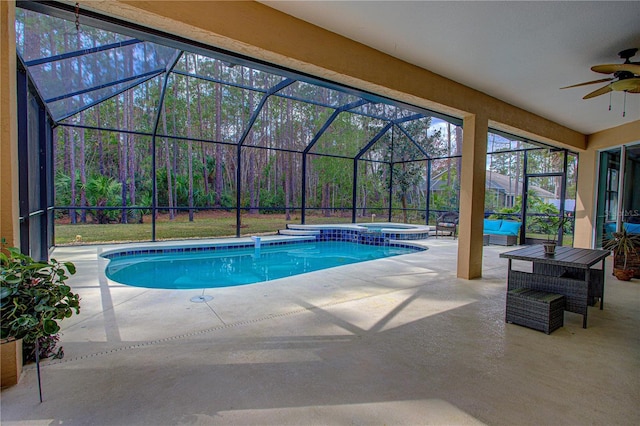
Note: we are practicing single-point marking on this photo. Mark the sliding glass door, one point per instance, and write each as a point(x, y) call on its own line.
point(618, 195)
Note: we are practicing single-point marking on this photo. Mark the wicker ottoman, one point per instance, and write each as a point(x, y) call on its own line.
point(535, 309)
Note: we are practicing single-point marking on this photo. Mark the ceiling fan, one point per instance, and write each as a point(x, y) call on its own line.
point(626, 76)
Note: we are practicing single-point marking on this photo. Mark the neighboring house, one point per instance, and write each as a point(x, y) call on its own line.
point(501, 189)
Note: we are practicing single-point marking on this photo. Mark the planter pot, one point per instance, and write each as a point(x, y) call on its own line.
point(11, 362)
point(623, 274)
point(633, 262)
point(549, 248)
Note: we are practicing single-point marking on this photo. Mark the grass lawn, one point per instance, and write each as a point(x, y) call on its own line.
point(205, 225)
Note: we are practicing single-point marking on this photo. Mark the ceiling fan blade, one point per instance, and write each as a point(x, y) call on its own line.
point(602, 80)
point(631, 85)
point(611, 68)
point(600, 91)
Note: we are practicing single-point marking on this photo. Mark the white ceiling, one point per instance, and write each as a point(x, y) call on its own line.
point(521, 52)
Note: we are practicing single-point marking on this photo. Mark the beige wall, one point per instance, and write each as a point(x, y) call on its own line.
point(588, 173)
point(8, 127)
point(625, 134)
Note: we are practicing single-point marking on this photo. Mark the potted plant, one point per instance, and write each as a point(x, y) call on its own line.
point(33, 299)
point(550, 226)
point(623, 244)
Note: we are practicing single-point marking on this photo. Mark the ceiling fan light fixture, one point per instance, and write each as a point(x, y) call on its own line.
point(626, 78)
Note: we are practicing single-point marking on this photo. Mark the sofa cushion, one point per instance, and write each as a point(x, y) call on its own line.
point(491, 225)
point(510, 227)
point(446, 224)
point(632, 228)
point(609, 229)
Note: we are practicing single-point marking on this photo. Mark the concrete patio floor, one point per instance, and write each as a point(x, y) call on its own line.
point(393, 341)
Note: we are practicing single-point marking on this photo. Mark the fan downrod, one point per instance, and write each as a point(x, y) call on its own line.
point(627, 54)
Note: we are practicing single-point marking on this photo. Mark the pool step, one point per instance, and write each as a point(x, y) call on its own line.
point(298, 232)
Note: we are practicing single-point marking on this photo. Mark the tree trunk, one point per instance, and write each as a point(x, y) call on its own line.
point(100, 145)
point(218, 138)
point(68, 134)
point(131, 155)
point(122, 161)
point(326, 199)
point(129, 120)
point(203, 146)
point(81, 141)
point(251, 178)
point(448, 154)
point(250, 164)
point(167, 162)
point(174, 166)
point(189, 149)
point(458, 134)
point(83, 172)
point(404, 207)
point(287, 158)
point(517, 185)
point(70, 142)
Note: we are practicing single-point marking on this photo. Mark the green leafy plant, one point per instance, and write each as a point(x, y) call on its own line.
point(623, 244)
point(33, 299)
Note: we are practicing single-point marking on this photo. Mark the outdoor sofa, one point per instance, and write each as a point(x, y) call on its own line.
point(502, 232)
point(631, 228)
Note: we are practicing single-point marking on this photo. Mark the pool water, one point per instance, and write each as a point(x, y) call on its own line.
point(232, 267)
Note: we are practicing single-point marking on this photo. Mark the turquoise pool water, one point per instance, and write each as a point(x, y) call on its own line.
point(232, 267)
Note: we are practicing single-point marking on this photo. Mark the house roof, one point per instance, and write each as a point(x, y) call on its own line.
point(498, 182)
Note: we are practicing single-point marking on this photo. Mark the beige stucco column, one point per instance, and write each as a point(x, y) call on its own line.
point(472, 187)
point(9, 226)
point(585, 199)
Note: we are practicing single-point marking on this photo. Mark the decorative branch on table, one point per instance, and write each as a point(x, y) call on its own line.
point(551, 226)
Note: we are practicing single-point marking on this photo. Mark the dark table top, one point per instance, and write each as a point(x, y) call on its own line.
point(564, 256)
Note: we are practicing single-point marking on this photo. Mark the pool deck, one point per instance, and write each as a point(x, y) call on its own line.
point(397, 341)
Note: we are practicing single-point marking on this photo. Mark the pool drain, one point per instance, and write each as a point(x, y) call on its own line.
point(202, 298)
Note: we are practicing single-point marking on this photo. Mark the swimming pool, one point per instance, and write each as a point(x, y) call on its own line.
point(212, 267)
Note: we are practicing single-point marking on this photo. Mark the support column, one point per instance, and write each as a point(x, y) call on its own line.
point(9, 214)
point(585, 199)
point(472, 188)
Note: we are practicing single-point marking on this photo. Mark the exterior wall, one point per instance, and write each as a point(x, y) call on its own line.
point(9, 213)
point(588, 174)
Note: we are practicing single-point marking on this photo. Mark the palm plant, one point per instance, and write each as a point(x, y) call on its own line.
point(101, 192)
point(623, 244)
